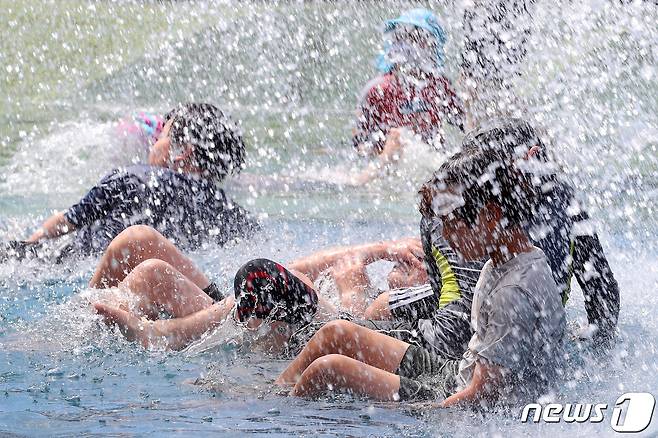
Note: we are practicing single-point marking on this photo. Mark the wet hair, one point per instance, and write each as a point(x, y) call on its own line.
point(484, 175)
point(219, 150)
point(266, 290)
point(506, 139)
point(508, 135)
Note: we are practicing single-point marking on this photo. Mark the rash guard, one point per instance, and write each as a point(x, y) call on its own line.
point(569, 253)
point(183, 207)
point(389, 102)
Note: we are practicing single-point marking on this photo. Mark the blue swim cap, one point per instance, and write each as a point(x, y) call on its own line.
point(422, 18)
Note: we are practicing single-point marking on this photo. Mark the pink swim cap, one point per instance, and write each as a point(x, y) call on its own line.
point(142, 126)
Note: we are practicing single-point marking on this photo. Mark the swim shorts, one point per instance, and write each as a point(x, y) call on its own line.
point(419, 320)
point(304, 333)
point(213, 292)
point(426, 376)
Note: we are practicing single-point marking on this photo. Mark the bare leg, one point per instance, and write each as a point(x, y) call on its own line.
point(348, 339)
point(343, 374)
point(174, 334)
point(135, 245)
point(378, 309)
point(160, 288)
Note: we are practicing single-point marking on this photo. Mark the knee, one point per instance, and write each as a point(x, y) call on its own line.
point(328, 366)
point(147, 273)
point(136, 237)
point(371, 311)
point(336, 331)
point(153, 266)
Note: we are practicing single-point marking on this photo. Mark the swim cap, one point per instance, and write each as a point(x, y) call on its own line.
point(266, 290)
point(142, 126)
point(423, 19)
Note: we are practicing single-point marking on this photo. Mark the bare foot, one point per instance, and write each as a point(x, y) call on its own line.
point(132, 327)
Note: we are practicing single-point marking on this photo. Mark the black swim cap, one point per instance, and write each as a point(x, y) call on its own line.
point(266, 290)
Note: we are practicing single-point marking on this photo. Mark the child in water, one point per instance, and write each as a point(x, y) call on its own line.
point(176, 192)
point(440, 313)
point(410, 95)
point(517, 315)
point(142, 262)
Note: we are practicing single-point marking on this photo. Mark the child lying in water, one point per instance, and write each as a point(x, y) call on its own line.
point(517, 314)
point(148, 265)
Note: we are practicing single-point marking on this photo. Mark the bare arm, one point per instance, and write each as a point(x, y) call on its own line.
point(55, 226)
point(483, 385)
point(408, 250)
point(389, 155)
point(173, 334)
point(181, 332)
point(314, 264)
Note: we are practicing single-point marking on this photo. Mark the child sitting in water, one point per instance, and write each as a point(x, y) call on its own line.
point(411, 93)
point(176, 192)
point(440, 314)
point(517, 317)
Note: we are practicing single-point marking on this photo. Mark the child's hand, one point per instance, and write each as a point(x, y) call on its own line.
point(403, 275)
point(393, 147)
point(408, 250)
point(450, 401)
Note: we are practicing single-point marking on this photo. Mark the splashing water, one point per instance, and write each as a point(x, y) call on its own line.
point(291, 72)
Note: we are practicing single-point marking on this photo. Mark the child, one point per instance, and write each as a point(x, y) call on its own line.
point(411, 92)
point(175, 193)
point(143, 262)
point(440, 314)
point(268, 299)
point(517, 316)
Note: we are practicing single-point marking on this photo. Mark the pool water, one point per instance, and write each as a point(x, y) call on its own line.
point(290, 72)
